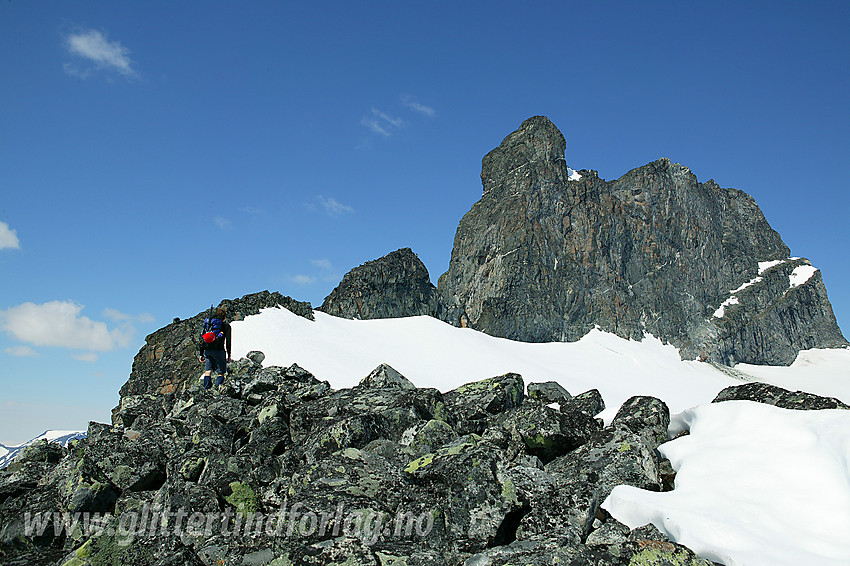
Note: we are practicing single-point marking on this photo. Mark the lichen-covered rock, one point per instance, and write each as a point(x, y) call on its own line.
point(474, 404)
point(393, 286)
point(612, 457)
point(471, 501)
point(275, 468)
point(548, 392)
point(545, 256)
point(646, 416)
point(589, 402)
point(546, 432)
point(385, 376)
point(782, 398)
point(352, 418)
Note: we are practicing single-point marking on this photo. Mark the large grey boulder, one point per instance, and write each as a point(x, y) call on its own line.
point(774, 395)
point(544, 256)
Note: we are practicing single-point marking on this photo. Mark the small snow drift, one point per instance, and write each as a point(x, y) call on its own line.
point(755, 485)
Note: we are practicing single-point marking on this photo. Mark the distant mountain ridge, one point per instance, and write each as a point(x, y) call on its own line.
point(61, 437)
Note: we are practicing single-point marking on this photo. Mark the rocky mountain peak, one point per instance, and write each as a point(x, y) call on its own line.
point(543, 257)
point(534, 152)
point(395, 285)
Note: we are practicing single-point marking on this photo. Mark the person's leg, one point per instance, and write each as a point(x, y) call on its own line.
point(209, 365)
point(220, 361)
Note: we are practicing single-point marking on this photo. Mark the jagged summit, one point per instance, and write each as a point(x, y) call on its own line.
point(534, 153)
point(541, 257)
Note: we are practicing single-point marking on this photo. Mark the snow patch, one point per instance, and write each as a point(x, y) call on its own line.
point(800, 275)
point(750, 478)
point(721, 311)
point(750, 283)
point(765, 265)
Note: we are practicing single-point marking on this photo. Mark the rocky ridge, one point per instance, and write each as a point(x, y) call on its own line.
point(278, 468)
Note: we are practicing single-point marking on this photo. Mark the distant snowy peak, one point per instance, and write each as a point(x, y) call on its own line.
point(61, 437)
point(573, 175)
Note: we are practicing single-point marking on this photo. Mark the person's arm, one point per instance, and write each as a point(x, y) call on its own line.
point(227, 346)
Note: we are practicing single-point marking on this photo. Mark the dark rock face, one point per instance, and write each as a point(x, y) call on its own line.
point(395, 285)
point(168, 361)
point(275, 467)
point(542, 257)
point(782, 398)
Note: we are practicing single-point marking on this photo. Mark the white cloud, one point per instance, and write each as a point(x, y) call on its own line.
point(334, 207)
point(8, 238)
point(301, 279)
point(422, 109)
point(21, 352)
point(222, 223)
point(86, 357)
point(59, 323)
point(95, 49)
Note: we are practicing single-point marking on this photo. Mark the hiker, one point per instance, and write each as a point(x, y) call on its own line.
point(215, 347)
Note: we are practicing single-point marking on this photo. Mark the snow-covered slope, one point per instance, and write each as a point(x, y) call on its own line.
point(63, 437)
point(432, 353)
point(755, 485)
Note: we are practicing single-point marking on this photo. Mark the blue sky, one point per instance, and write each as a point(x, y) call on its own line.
point(157, 157)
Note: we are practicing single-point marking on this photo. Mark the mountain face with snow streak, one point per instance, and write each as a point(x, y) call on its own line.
point(60, 437)
point(546, 255)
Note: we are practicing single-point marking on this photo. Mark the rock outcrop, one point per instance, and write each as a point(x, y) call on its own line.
point(396, 285)
point(168, 361)
point(277, 468)
point(546, 255)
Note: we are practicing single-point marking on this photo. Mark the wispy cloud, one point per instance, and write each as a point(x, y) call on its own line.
point(334, 207)
point(391, 120)
point(60, 324)
point(385, 124)
point(421, 108)
point(327, 272)
point(254, 210)
point(222, 223)
point(322, 263)
point(302, 279)
point(381, 123)
point(8, 238)
point(21, 352)
point(86, 357)
point(96, 52)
